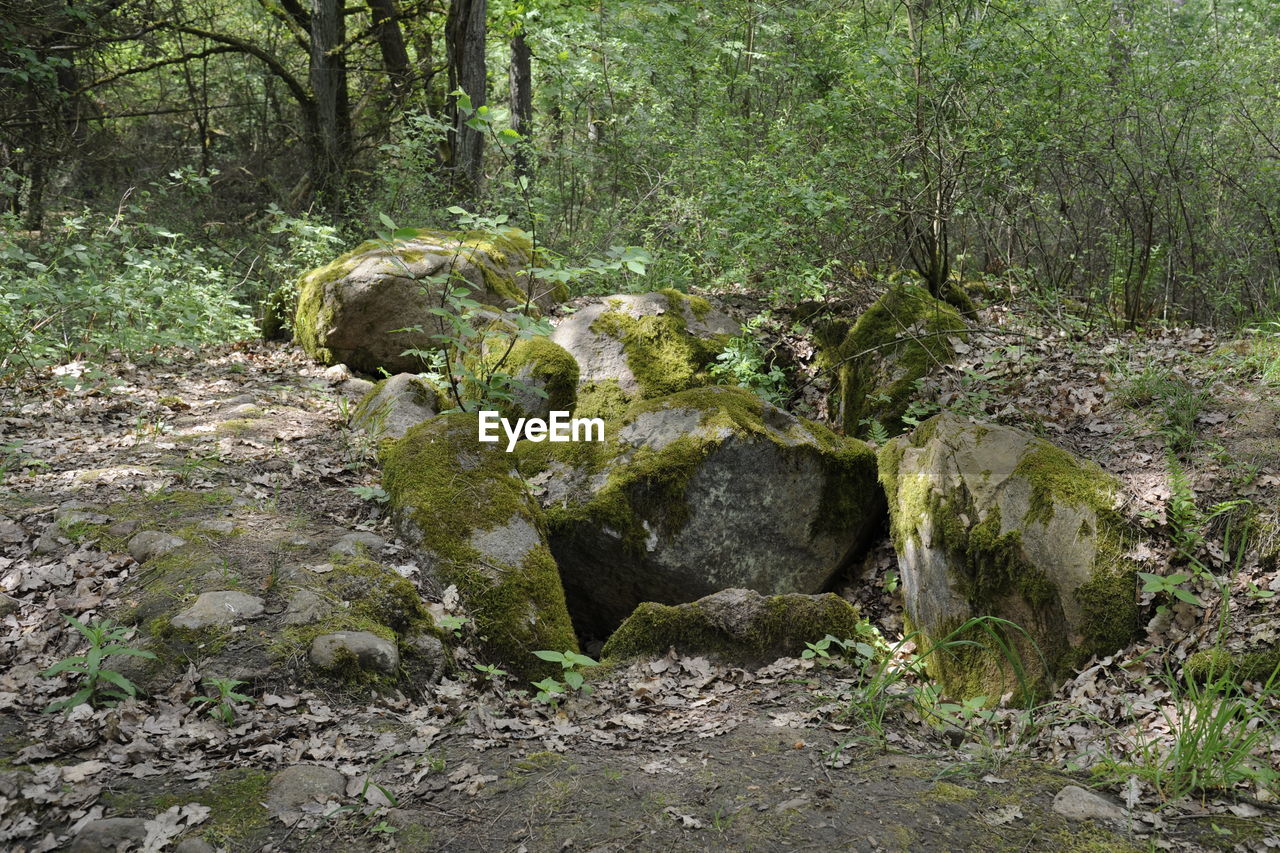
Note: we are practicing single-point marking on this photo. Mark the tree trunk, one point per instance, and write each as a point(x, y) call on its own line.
point(395, 58)
point(465, 35)
point(329, 87)
point(521, 80)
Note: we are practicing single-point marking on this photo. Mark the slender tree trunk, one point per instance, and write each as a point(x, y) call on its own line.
point(329, 87)
point(395, 58)
point(521, 79)
point(465, 35)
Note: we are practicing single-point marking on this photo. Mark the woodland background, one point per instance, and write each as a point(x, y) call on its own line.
point(180, 162)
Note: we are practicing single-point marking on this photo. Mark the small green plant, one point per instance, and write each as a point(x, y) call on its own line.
point(570, 663)
point(453, 624)
point(220, 702)
point(490, 671)
point(97, 686)
point(374, 494)
point(743, 362)
point(1188, 523)
point(1218, 737)
point(1170, 585)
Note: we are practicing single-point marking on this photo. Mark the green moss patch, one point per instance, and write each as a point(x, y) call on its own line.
point(780, 626)
point(662, 353)
point(899, 339)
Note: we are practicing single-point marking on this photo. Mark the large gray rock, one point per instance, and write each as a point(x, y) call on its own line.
point(150, 544)
point(358, 542)
point(215, 609)
point(642, 345)
point(701, 491)
point(471, 523)
point(368, 651)
point(394, 405)
point(990, 521)
point(349, 311)
point(294, 787)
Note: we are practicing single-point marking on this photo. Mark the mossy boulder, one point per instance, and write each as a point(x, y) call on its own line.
point(643, 345)
point(989, 521)
point(737, 626)
point(696, 492)
point(473, 523)
point(544, 376)
point(895, 342)
point(394, 405)
point(348, 311)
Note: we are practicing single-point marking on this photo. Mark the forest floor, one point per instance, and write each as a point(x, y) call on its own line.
point(665, 754)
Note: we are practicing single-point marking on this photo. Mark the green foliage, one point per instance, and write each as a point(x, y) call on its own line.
point(571, 678)
point(374, 494)
point(96, 686)
point(744, 362)
point(221, 702)
point(1220, 739)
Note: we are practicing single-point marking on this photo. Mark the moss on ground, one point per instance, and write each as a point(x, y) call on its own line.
point(1260, 664)
point(235, 799)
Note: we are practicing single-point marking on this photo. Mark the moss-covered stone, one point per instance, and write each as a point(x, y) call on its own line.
point(349, 309)
point(899, 339)
point(698, 491)
point(534, 364)
point(735, 625)
point(456, 500)
point(647, 345)
point(992, 522)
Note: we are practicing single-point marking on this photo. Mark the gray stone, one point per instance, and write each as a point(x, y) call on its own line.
point(295, 786)
point(990, 521)
point(430, 657)
point(357, 543)
point(738, 626)
point(355, 389)
point(8, 604)
point(305, 607)
point(601, 356)
point(336, 374)
point(121, 529)
point(109, 834)
point(150, 544)
point(395, 405)
point(194, 845)
point(374, 292)
point(220, 526)
point(218, 608)
point(68, 517)
point(765, 501)
point(370, 651)
point(1076, 803)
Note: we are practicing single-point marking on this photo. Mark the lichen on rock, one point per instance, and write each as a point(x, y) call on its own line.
point(471, 520)
point(989, 521)
point(544, 377)
point(646, 345)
